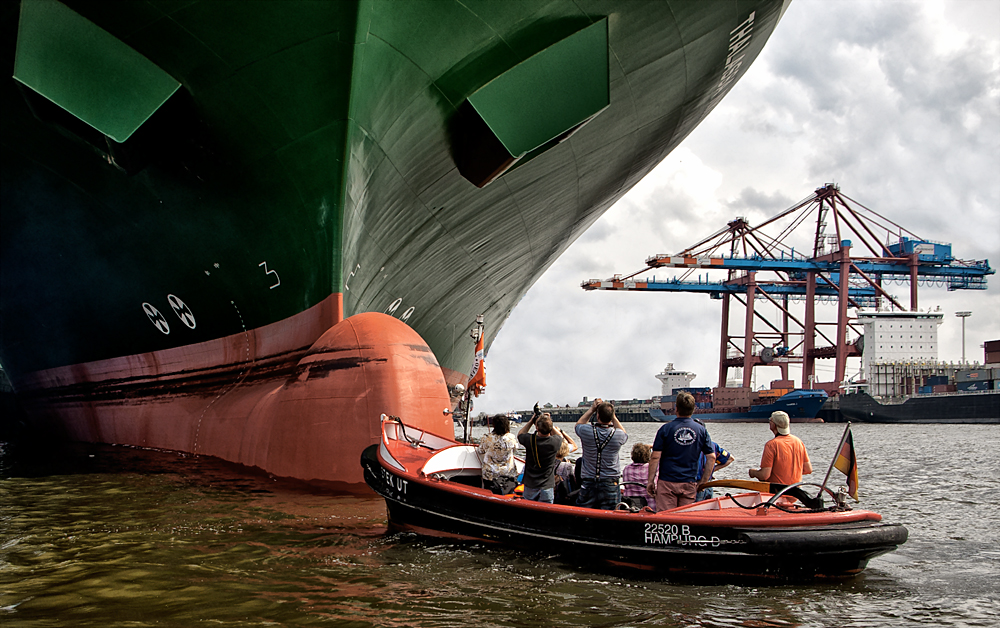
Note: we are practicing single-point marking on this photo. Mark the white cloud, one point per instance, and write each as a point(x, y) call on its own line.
point(898, 102)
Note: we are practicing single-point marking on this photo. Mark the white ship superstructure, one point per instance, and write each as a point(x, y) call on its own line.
point(672, 378)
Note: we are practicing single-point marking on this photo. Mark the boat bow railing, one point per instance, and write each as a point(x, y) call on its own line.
point(839, 498)
point(839, 501)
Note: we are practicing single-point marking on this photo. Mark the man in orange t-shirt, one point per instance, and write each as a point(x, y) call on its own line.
point(785, 460)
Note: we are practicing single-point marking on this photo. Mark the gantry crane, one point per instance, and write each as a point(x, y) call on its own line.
point(830, 272)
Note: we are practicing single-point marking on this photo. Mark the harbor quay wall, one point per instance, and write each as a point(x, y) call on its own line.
point(640, 413)
point(625, 414)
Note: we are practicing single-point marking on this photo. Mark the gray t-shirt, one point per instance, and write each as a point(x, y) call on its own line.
point(610, 439)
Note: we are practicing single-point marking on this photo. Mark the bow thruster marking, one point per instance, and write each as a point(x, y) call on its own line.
point(156, 318)
point(182, 311)
point(270, 272)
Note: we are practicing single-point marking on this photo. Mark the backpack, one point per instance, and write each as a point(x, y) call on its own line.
point(566, 490)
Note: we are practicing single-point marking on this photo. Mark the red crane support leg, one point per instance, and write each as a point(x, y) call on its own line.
point(784, 335)
point(748, 335)
point(723, 350)
point(842, 302)
point(809, 341)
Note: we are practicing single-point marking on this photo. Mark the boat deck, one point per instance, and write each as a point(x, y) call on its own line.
point(455, 468)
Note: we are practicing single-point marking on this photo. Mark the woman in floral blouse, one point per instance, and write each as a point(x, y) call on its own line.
point(499, 472)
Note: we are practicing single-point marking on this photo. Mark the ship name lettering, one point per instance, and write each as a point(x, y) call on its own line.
point(672, 534)
point(394, 484)
point(739, 39)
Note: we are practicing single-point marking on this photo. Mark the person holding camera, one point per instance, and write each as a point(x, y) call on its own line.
point(540, 458)
point(601, 442)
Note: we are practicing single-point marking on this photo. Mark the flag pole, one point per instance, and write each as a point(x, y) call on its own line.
point(836, 453)
point(466, 432)
point(477, 336)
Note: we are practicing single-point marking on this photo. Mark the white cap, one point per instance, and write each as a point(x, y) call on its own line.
point(781, 421)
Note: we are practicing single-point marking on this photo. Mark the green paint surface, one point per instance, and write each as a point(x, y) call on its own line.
point(549, 93)
point(87, 71)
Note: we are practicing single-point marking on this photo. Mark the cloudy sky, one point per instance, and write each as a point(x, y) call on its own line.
point(897, 102)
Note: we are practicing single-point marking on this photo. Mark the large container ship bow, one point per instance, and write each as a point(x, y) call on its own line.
point(246, 230)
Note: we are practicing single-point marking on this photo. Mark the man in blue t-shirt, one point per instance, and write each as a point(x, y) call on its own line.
point(676, 453)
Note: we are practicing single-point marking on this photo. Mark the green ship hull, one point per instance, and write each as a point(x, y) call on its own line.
point(198, 197)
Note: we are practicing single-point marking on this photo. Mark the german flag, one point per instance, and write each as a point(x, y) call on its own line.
point(847, 463)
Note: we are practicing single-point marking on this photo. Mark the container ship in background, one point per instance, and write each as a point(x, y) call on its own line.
point(747, 406)
point(247, 230)
point(731, 403)
point(926, 391)
point(903, 382)
point(737, 403)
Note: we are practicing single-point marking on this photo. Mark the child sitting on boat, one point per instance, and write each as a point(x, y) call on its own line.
point(634, 476)
point(566, 483)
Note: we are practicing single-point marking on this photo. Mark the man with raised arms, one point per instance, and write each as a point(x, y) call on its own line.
point(601, 441)
point(540, 459)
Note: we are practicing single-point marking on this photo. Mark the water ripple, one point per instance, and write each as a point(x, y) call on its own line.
point(128, 538)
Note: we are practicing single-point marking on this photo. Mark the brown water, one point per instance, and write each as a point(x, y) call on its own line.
point(113, 536)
